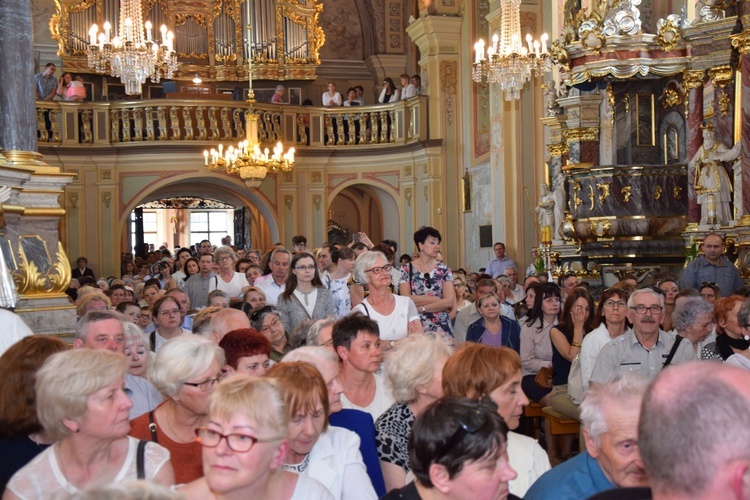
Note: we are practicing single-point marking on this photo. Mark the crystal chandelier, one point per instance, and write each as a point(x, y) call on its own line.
point(130, 55)
point(508, 63)
point(247, 161)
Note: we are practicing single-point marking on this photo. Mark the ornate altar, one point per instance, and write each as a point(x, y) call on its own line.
point(285, 44)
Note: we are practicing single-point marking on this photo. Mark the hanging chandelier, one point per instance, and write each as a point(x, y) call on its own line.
point(507, 62)
point(132, 55)
point(247, 161)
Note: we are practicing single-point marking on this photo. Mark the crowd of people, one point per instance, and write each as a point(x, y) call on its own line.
point(342, 373)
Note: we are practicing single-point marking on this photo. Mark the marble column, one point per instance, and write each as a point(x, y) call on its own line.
point(722, 78)
point(693, 82)
point(18, 116)
point(745, 156)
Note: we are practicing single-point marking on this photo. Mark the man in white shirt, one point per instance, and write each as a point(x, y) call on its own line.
point(517, 292)
point(273, 284)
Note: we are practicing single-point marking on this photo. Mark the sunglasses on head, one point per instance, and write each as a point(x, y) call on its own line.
point(256, 315)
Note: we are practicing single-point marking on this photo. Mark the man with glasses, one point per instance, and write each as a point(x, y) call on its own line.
point(712, 267)
point(644, 348)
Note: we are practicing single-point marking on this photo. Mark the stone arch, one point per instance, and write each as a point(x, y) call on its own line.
point(389, 203)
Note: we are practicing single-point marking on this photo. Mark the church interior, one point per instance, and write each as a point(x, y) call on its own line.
point(614, 146)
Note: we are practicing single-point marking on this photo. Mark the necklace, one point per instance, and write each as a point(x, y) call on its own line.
point(298, 468)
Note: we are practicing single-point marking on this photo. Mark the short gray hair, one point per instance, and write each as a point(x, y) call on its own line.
point(365, 261)
point(621, 388)
point(134, 334)
point(224, 250)
point(82, 328)
point(641, 291)
point(312, 333)
point(180, 359)
point(411, 363)
point(312, 354)
point(689, 310)
point(67, 379)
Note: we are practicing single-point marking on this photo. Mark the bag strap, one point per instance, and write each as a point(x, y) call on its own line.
point(367, 311)
point(676, 344)
point(140, 460)
point(152, 426)
point(152, 341)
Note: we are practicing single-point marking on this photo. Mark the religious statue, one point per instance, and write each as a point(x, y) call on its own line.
point(545, 210)
point(550, 98)
point(712, 182)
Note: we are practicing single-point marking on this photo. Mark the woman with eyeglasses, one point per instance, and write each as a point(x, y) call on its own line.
point(244, 442)
point(730, 338)
point(670, 288)
point(304, 297)
point(478, 371)
point(462, 292)
point(710, 291)
point(267, 320)
point(327, 454)
point(246, 351)
point(429, 283)
point(185, 371)
point(612, 316)
point(229, 281)
point(166, 316)
point(396, 315)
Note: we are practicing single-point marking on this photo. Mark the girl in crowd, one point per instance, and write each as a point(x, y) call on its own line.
point(190, 268)
point(304, 297)
point(710, 291)
point(70, 89)
point(536, 347)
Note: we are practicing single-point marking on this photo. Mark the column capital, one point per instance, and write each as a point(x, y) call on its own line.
point(692, 79)
point(721, 75)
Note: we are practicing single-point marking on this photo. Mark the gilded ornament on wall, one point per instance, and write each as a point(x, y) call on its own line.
point(626, 193)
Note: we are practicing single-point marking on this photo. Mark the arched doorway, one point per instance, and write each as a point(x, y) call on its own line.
point(260, 219)
point(362, 206)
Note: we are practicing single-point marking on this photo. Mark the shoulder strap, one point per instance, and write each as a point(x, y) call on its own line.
point(152, 341)
point(676, 344)
point(141, 459)
point(367, 311)
point(152, 426)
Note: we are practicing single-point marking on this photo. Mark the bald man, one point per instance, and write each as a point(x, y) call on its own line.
point(225, 321)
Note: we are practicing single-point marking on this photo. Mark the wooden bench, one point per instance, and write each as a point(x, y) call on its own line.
point(533, 411)
point(560, 424)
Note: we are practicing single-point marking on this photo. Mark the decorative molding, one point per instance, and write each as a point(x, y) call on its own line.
point(107, 199)
point(73, 200)
point(692, 79)
point(316, 202)
point(288, 177)
point(583, 134)
point(721, 75)
point(558, 149)
point(288, 200)
point(407, 196)
point(316, 177)
point(106, 175)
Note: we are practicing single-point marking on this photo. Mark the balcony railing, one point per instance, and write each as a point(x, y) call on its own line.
point(160, 121)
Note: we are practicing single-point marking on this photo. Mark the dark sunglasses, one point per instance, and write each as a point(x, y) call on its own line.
point(256, 315)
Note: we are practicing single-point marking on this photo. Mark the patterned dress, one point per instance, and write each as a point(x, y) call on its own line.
point(430, 284)
point(392, 431)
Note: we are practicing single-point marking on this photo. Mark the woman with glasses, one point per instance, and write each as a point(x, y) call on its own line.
point(246, 351)
point(84, 410)
point(267, 320)
point(304, 297)
point(185, 371)
point(396, 315)
point(612, 316)
point(478, 371)
point(337, 280)
point(244, 442)
point(166, 316)
point(730, 338)
point(328, 454)
point(710, 291)
point(231, 282)
point(429, 283)
point(670, 288)
point(462, 292)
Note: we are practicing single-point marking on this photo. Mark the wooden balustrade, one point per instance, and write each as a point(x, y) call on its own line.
point(126, 123)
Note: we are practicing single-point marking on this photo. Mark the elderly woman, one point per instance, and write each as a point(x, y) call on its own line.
point(185, 371)
point(670, 288)
point(453, 459)
point(357, 342)
point(166, 316)
point(321, 334)
point(429, 283)
point(246, 351)
point(396, 315)
point(494, 329)
point(414, 369)
point(304, 296)
point(478, 371)
point(253, 272)
point(137, 350)
point(730, 338)
point(536, 346)
point(694, 320)
point(328, 454)
point(82, 405)
point(267, 320)
point(218, 298)
point(710, 291)
point(229, 281)
point(612, 317)
point(21, 434)
point(337, 280)
point(91, 301)
point(244, 442)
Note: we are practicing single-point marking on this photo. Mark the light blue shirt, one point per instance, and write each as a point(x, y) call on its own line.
point(580, 477)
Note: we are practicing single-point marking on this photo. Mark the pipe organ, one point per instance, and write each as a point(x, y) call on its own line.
point(210, 35)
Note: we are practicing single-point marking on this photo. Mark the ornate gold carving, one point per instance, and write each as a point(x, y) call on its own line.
point(288, 199)
point(30, 280)
point(724, 102)
point(316, 202)
point(676, 192)
point(601, 228)
point(626, 193)
point(668, 34)
point(593, 39)
point(407, 171)
point(107, 199)
point(577, 201)
point(741, 42)
point(407, 196)
point(584, 134)
point(658, 192)
point(448, 75)
point(604, 188)
point(592, 196)
point(560, 56)
point(692, 79)
point(317, 177)
point(106, 175)
point(558, 149)
point(721, 75)
point(288, 177)
point(672, 98)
